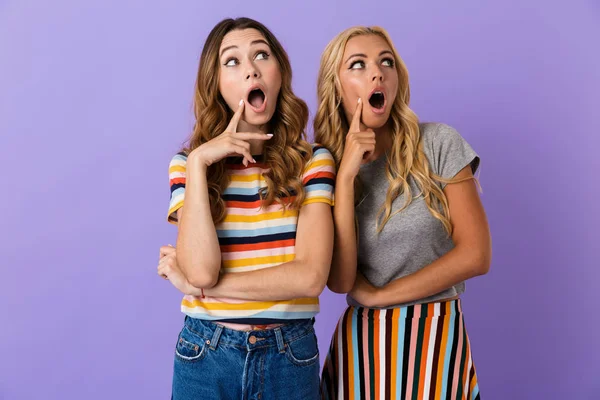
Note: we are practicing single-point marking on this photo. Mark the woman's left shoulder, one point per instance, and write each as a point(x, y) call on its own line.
point(320, 161)
point(320, 151)
point(437, 131)
point(448, 152)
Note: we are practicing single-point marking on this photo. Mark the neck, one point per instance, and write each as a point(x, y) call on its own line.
point(256, 146)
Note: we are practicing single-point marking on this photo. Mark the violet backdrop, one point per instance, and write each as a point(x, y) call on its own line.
point(95, 97)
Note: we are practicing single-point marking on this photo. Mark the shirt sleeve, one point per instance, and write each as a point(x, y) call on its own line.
point(177, 185)
point(449, 152)
point(319, 177)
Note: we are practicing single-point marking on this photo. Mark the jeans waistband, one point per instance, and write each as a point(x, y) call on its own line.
point(214, 334)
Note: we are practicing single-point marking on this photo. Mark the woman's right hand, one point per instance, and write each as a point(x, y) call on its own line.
point(359, 146)
point(169, 269)
point(228, 143)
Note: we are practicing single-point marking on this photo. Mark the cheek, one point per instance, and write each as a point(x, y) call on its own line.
point(392, 80)
point(352, 89)
point(228, 89)
point(273, 76)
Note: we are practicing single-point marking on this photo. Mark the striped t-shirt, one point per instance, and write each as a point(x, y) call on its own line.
point(252, 237)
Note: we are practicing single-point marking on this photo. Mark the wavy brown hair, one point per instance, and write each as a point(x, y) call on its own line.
point(286, 153)
point(406, 158)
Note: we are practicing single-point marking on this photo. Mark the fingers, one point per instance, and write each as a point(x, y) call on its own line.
point(242, 148)
point(246, 154)
point(163, 271)
point(360, 138)
point(166, 250)
point(232, 127)
point(364, 137)
point(165, 265)
point(240, 139)
point(368, 147)
point(251, 136)
point(362, 143)
point(368, 150)
point(355, 124)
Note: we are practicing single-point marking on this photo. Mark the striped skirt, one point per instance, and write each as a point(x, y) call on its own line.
point(415, 352)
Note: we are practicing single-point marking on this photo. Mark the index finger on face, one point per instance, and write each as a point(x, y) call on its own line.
point(232, 127)
point(355, 124)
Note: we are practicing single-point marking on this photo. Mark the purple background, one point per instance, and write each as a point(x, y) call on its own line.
point(95, 97)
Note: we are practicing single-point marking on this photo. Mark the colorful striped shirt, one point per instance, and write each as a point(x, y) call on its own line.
point(251, 237)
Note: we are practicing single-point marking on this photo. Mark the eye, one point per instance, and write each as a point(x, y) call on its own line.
point(357, 64)
point(262, 55)
point(388, 62)
point(231, 62)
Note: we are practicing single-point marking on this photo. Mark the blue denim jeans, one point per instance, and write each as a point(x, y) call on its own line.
point(214, 362)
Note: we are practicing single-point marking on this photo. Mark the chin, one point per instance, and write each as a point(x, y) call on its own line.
point(375, 121)
point(257, 119)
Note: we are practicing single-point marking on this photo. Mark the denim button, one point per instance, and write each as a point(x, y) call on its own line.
point(252, 339)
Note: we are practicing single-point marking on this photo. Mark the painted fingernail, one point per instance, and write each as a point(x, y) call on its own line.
point(254, 161)
point(241, 102)
point(359, 100)
point(270, 135)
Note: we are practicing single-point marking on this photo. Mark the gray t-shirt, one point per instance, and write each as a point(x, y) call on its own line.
point(414, 238)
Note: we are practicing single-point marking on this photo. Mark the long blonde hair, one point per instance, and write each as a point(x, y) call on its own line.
point(406, 158)
point(286, 153)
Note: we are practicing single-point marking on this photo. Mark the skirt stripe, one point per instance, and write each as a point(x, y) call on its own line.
point(382, 355)
point(406, 353)
point(436, 356)
point(343, 336)
point(377, 361)
point(394, 353)
point(360, 337)
point(428, 361)
point(400, 355)
point(356, 355)
point(420, 348)
point(414, 352)
point(449, 344)
point(388, 350)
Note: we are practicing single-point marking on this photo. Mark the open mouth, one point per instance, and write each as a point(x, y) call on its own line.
point(256, 98)
point(377, 100)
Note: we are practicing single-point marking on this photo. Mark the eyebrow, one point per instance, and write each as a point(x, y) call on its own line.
point(365, 56)
point(254, 42)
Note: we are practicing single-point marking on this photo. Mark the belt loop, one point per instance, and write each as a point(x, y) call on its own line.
point(214, 342)
point(279, 337)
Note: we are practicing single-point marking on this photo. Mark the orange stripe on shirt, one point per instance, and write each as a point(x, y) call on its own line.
point(257, 246)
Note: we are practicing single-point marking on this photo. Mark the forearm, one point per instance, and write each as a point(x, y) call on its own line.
point(470, 257)
point(343, 267)
point(291, 280)
point(198, 251)
point(454, 267)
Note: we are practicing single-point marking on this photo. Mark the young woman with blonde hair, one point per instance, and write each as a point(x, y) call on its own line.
point(409, 230)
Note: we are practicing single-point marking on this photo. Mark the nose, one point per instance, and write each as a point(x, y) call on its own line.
point(377, 75)
point(252, 72)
